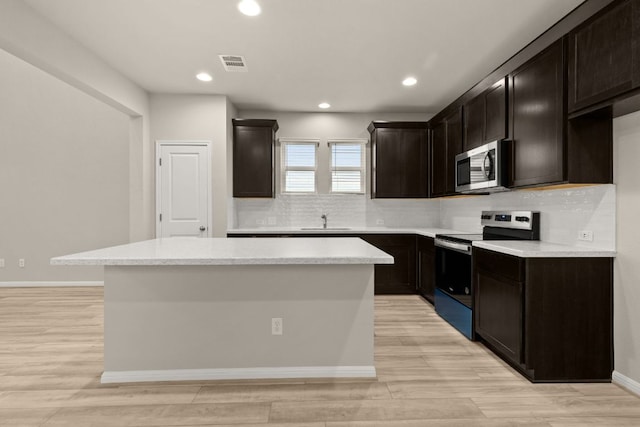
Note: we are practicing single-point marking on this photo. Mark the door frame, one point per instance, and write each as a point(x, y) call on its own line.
point(158, 191)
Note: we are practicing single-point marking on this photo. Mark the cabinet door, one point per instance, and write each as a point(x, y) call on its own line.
point(474, 117)
point(604, 55)
point(498, 281)
point(485, 116)
point(400, 277)
point(439, 160)
point(426, 268)
point(253, 161)
point(401, 163)
point(454, 147)
point(498, 313)
point(446, 143)
point(538, 119)
point(495, 124)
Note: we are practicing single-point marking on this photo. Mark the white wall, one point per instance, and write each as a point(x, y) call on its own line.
point(343, 210)
point(626, 145)
point(29, 36)
point(64, 174)
point(198, 117)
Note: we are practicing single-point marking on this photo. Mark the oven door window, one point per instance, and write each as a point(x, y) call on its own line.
point(453, 274)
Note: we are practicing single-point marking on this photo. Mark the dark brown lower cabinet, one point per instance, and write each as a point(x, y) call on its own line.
point(426, 267)
point(399, 277)
point(550, 318)
point(498, 296)
point(396, 278)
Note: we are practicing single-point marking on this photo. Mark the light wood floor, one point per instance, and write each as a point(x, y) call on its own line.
point(428, 374)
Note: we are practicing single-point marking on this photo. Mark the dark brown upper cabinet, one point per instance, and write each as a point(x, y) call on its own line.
point(253, 158)
point(399, 159)
point(446, 143)
point(604, 56)
point(485, 116)
point(538, 119)
point(547, 148)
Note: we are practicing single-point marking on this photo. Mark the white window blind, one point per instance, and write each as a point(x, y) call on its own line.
point(347, 166)
point(299, 166)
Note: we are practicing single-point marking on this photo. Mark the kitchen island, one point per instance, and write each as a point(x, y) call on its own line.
point(201, 309)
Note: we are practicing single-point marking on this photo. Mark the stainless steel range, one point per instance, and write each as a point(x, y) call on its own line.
point(454, 294)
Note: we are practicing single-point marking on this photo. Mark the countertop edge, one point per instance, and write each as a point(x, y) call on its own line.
point(214, 262)
point(426, 231)
point(559, 251)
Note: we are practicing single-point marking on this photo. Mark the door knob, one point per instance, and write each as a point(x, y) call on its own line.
point(202, 228)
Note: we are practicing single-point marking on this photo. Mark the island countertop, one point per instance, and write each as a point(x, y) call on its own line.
point(230, 251)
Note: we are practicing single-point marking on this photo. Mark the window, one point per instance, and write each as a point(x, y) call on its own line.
point(299, 165)
point(347, 166)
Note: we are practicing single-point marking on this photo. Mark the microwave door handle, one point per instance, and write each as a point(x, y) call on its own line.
point(486, 172)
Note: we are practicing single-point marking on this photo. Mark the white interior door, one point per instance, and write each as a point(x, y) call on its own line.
point(183, 190)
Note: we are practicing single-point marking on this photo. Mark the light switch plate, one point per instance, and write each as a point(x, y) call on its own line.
point(1, 262)
point(276, 326)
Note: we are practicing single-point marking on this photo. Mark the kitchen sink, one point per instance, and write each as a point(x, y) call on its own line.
point(327, 229)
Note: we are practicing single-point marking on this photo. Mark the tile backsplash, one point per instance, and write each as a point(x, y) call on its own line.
point(564, 212)
point(343, 210)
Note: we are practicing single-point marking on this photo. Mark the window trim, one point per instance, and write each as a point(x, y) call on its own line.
point(363, 163)
point(283, 164)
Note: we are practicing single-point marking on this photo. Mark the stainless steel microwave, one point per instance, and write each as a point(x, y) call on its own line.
point(483, 169)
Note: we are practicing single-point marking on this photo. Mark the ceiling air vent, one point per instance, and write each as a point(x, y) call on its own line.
point(234, 63)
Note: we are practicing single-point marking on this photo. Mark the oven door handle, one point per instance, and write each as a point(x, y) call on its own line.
point(458, 247)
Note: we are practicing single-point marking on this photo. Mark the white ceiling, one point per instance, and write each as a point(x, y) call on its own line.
point(350, 53)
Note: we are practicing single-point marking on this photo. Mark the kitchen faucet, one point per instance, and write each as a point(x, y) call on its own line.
point(324, 220)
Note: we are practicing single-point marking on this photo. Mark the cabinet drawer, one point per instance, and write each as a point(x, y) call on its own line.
point(507, 266)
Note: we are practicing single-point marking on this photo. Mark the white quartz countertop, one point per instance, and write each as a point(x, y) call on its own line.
point(240, 251)
point(428, 232)
point(537, 249)
point(519, 248)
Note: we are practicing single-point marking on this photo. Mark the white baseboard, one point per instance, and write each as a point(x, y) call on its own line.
point(626, 382)
point(239, 374)
point(61, 284)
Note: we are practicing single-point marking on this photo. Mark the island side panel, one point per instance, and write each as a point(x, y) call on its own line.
point(165, 318)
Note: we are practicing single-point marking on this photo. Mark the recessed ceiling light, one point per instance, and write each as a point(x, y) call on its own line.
point(249, 7)
point(204, 77)
point(324, 105)
point(409, 81)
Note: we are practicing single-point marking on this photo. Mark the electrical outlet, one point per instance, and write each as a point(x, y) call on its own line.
point(260, 221)
point(379, 221)
point(586, 236)
point(271, 220)
point(21, 263)
point(1, 262)
point(276, 326)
